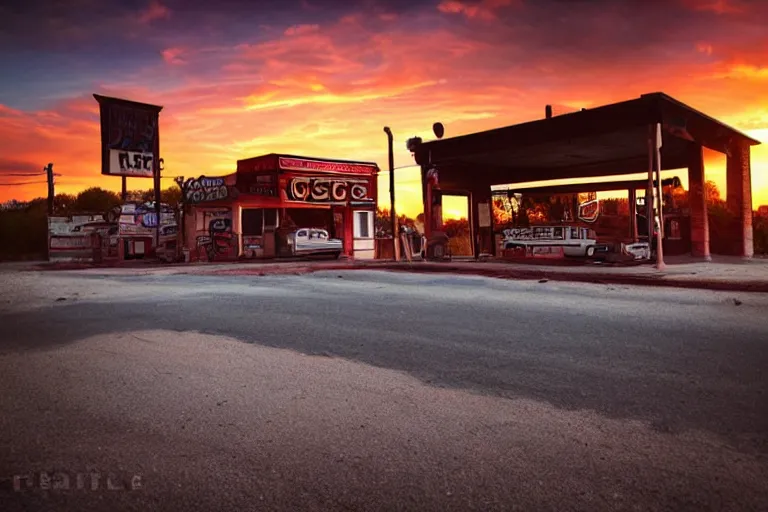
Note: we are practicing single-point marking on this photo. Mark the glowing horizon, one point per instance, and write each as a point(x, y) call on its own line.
point(323, 82)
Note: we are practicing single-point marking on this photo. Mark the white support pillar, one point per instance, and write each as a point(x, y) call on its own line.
point(655, 167)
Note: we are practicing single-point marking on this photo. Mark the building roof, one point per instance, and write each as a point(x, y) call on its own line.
point(607, 140)
point(263, 162)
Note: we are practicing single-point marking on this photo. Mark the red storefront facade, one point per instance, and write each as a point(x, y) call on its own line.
point(255, 211)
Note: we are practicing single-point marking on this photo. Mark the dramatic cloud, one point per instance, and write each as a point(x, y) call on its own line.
point(155, 11)
point(483, 10)
point(323, 78)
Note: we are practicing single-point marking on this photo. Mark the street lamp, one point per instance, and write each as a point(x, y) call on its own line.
point(393, 215)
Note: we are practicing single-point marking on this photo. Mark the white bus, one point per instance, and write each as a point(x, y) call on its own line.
point(575, 241)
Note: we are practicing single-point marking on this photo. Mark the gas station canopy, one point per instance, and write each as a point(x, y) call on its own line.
point(608, 140)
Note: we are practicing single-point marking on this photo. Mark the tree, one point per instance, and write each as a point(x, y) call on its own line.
point(171, 196)
point(64, 204)
point(456, 227)
point(712, 193)
point(383, 226)
point(618, 206)
point(760, 233)
point(141, 196)
point(96, 200)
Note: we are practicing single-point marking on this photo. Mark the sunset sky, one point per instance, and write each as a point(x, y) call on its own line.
point(322, 78)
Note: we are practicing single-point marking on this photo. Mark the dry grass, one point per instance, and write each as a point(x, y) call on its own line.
point(460, 246)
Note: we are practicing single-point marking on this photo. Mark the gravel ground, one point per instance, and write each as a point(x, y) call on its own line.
point(378, 391)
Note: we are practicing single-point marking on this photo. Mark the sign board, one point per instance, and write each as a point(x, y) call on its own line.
point(202, 190)
point(535, 233)
point(589, 211)
point(483, 215)
point(141, 219)
point(260, 184)
point(131, 163)
point(328, 190)
point(81, 242)
point(130, 142)
point(303, 164)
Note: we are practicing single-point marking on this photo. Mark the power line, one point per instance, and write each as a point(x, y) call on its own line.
point(23, 183)
point(26, 175)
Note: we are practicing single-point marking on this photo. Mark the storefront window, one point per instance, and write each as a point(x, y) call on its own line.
point(270, 218)
point(253, 222)
point(362, 224)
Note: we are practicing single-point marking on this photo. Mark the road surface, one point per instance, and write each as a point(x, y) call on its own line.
point(368, 390)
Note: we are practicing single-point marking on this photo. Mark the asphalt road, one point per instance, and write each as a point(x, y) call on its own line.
point(379, 391)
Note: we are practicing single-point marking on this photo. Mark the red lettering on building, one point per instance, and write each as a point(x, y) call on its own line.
point(300, 164)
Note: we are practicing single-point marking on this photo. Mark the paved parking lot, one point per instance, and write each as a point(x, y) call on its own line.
point(369, 390)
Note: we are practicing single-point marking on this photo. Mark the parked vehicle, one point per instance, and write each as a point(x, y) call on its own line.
point(575, 241)
point(638, 250)
point(312, 241)
point(107, 230)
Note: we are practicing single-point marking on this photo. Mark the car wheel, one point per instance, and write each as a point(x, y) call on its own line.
point(590, 251)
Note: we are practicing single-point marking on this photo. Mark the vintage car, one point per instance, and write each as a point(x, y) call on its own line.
point(638, 250)
point(574, 241)
point(312, 241)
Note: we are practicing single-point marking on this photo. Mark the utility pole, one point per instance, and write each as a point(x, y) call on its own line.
point(156, 164)
point(49, 173)
point(124, 193)
point(392, 213)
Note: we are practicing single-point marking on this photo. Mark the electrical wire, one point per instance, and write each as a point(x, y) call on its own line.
point(26, 175)
point(23, 183)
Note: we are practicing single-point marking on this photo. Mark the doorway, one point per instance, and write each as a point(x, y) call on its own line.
point(456, 224)
point(363, 240)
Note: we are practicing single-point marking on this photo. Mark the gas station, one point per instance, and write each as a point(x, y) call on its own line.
point(647, 135)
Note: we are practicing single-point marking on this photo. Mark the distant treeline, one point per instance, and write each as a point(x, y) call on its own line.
point(24, 225)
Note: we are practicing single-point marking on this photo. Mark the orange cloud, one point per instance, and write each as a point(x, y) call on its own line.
point(485, 10)
point(173, 55)
point(301, 29)
point(327, 89)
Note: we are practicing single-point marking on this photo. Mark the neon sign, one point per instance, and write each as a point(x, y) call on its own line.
point(322, 190)
point(300, 164)
point(589, 211)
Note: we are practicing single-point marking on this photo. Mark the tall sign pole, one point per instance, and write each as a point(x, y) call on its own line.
point(130, 143)
point(158, 199)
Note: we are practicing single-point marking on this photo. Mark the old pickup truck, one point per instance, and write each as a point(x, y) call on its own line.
point(312, 241)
